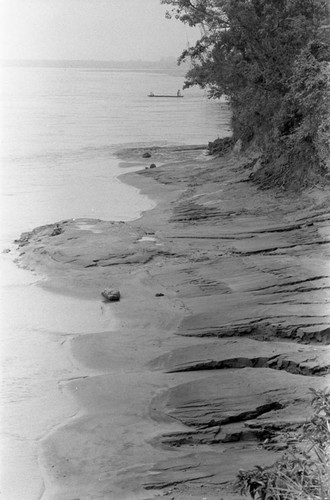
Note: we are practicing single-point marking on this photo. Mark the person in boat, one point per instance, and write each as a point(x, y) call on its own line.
point(178, 93)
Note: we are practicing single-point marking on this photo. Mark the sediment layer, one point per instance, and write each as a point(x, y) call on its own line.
point(224, 328)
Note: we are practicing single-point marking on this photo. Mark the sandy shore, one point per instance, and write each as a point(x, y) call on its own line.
point(223, 326)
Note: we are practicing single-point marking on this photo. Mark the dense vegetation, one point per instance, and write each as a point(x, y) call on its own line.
point(271, 59)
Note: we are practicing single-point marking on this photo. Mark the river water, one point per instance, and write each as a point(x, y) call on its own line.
point(60, 128)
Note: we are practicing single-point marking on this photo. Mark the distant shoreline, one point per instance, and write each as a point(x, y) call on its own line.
point(167, 64)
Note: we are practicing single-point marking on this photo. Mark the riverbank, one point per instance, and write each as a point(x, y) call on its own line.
point(218, 276)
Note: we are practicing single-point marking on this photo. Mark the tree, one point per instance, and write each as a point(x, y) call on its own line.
point(271, 59)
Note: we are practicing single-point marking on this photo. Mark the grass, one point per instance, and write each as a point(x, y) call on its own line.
point(304, 473)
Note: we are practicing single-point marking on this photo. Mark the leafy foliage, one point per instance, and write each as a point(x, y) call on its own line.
point(304, 474)
point(271, 59)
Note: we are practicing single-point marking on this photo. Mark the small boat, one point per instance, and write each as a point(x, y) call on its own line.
point(157, 95)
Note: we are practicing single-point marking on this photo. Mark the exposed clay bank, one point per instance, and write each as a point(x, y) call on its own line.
point(223, 326)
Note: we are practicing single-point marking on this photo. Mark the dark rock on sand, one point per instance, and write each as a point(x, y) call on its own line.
point(152, 165)
point(57, 230)
point(111, 295)
point(146, 155)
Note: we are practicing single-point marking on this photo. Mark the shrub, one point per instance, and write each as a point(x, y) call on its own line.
point(303, 474)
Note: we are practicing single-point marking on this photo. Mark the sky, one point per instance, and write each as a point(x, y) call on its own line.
point(90, 29)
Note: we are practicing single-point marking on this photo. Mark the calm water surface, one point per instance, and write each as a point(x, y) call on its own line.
point(60, 129)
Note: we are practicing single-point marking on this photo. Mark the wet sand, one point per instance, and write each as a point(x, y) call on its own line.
point(222, 328)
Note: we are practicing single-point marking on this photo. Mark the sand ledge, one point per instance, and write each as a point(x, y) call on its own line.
point(245, 279)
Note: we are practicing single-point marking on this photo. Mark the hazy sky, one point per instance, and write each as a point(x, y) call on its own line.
point(90, 29)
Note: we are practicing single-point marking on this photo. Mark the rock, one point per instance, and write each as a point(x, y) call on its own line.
point(220, 146)
point(6, 250)
point(57, 230)
point(24, 239)
point(257, 166)
point(159, 294)
point(152, 165)
point(111, 295)
point(146, 155)
point(237, 147)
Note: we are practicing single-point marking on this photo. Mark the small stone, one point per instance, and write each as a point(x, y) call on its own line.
point(152, 165)
point(111, 295)
point(146, 155)
point(57, 230)
point(238, 146)
point(159, 294)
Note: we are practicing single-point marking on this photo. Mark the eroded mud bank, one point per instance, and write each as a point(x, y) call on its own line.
point(224, 327)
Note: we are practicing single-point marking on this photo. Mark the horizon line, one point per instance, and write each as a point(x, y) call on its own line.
point(166, 58)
